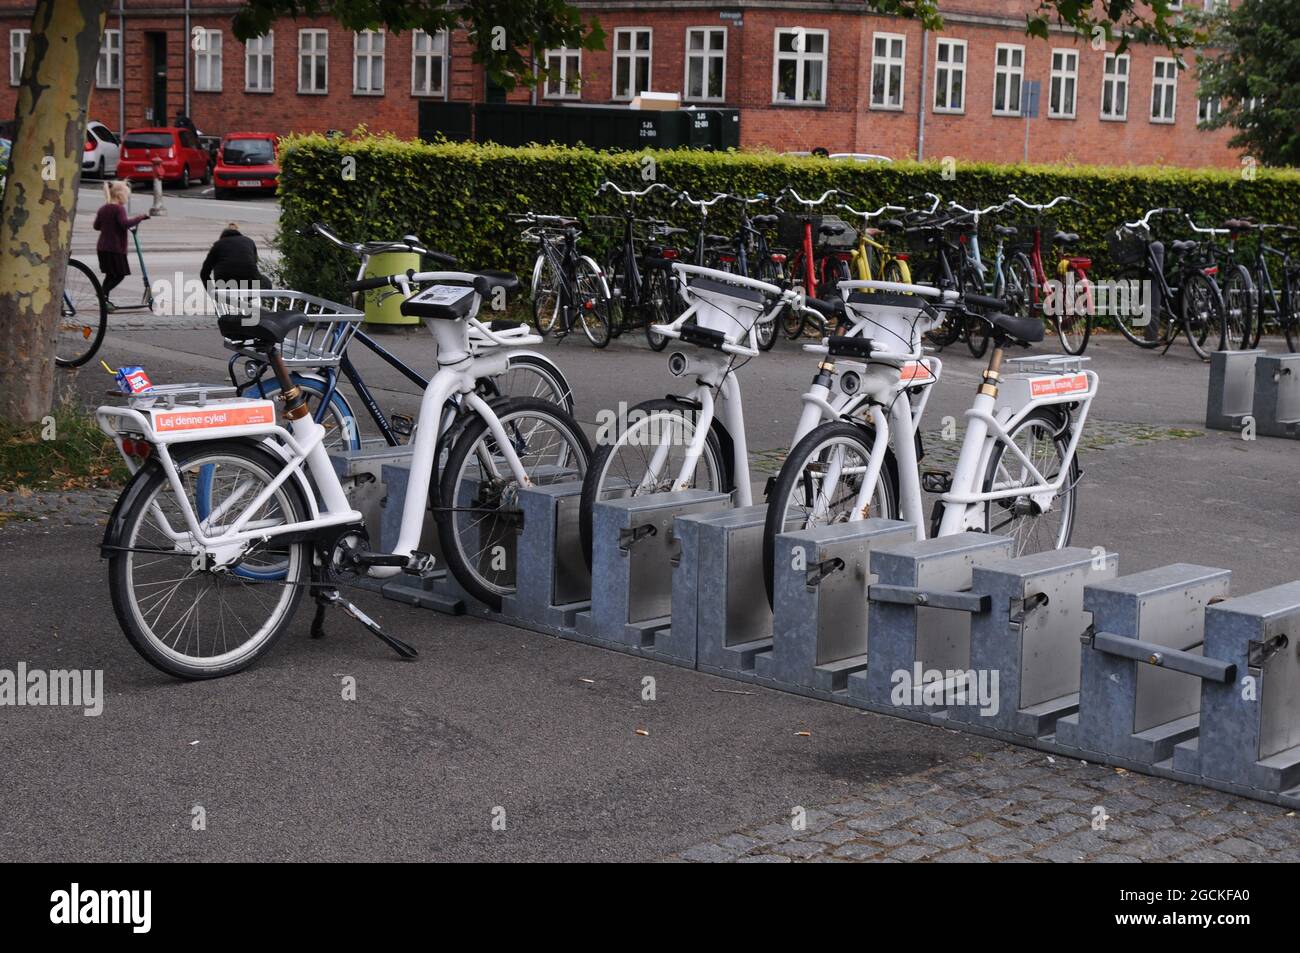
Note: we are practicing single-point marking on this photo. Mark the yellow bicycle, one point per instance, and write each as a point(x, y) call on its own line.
point(871, 259)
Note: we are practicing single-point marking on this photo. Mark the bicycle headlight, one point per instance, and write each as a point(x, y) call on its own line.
point(678, 363)
point(252, 369)
point(850, 382)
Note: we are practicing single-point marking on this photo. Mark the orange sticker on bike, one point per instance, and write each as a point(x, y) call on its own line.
point(1056, 386)
point(910, 371)
point(214, 418)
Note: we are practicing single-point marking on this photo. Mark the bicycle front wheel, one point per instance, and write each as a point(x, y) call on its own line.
point(659, 292)
point(529, 375)
point(1202, 308)
point(477, 511)
point(593, 303)
point(1044, 438)
point(646, 453)
point(1129, 306)
point(83, 317)
point(1074, 323)
point(1238, 308)
point(819, 484)
point(184, 615)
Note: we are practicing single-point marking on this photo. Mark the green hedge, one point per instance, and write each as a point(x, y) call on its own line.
point(458, 197)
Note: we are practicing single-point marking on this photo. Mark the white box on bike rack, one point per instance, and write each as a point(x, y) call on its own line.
point(1053, 380)
point(718, 311)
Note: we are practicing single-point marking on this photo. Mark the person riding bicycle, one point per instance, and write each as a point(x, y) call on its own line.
point(113, 225)
point(233, 258)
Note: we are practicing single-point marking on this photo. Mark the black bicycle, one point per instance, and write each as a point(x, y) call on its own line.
point(1273, 304)
point(567, 288)
point(642, 287)
point(1146, 305)
point(751, 256)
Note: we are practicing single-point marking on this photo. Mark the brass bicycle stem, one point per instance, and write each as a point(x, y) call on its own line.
point(295, 402)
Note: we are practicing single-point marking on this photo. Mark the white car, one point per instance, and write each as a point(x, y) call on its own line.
point(102, 148)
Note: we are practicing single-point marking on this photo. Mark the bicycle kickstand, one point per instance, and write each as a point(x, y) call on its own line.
point(329, 596)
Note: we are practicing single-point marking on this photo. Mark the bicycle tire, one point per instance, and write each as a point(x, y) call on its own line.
point(1239, 298)
point(90, 330)
point(1199, 325)
point(659, 291)
point(1075, 342)
point(545, 296)
point(792, 475)
point(1123, 317)
point(592, 300)
point(144, 497)
point(1291, 320)
point(453, 497)
point(650, 416)
point(1051, 424)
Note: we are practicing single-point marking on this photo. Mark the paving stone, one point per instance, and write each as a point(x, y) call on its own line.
point(981, 829)
point(1107, 858)
point(1005, 846)
point(834, 836)
point(1243, 849)
point(1060, 854)
point(1206, 826)
point(857, 851)
point(962, 857)
point(1277, 837)
point(945, 840)
point(764, 859)
point(894, 838)
point(913, 852)
point(709, 854)
point(882, 820)
point(1207, 855)
point(799, 848)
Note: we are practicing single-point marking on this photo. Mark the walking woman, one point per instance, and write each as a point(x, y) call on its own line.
point(113, 226)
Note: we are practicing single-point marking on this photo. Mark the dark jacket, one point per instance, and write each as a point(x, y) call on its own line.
point(112, 224)
point(233, 257)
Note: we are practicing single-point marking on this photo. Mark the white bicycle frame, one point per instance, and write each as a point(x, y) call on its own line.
point(302, 447)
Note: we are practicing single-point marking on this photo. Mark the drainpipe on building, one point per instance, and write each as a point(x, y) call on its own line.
point(920, 105)
point(532, 93)
point(185, 47)
point(121, 74)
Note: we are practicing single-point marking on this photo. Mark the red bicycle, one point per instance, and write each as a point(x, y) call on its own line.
point(1065, 297)
point(817, 259)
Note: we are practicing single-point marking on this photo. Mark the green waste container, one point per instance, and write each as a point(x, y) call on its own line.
point(388, 310)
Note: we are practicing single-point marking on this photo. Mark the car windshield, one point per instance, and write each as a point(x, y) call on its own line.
point(148, 140)
point(249, 152)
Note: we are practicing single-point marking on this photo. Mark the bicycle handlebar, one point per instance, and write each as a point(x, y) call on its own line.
point(1043, 208)
point(628, 193)
point(699, 203)
point(868, 216)
point(408, 243)
point(806, 202)
point(1205, 231)
point(1145, 220)
point(977, 212)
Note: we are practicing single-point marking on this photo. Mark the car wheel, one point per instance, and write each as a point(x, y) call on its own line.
point(207, 175)
point(100, 171)
point(185, 177)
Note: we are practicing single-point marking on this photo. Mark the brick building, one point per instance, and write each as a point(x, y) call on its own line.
point(803, 74)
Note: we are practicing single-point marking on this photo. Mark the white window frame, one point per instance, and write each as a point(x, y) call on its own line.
point(18, 40)
point(1068, 76)
point(1008, 72)
point(1159, 84)
point(706, 56)
point(108, 70)
point(632, 55)
point(368, 55)
point(1116, 77)
point(1207, 109)
point(253, 57)
point(322, 52)
point(945, 70)
point(428, 56)
point(887, 63)
point(566, 90)
point(208, 61)
point(800, 58)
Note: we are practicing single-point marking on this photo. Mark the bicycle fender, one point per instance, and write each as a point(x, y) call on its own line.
point(134, 487)
point(891, 462)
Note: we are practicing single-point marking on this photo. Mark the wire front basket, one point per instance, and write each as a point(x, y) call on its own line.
point(320, 342)
point(1127, 246)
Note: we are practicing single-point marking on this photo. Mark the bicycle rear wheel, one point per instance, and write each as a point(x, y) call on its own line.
point(1126, 306)
point(477, 510)
point(1202, 312)
point(83, 317)
point(1289, 310)
point(1074, 324)
point(659, 293)
point(1238, 308)
point(593, 303)
point(184, 617)
point(545, 295)
point(1044, 438)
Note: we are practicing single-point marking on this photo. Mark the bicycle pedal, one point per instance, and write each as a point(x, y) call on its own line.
point(403, 424)
point(420, 564)
point(936, 481)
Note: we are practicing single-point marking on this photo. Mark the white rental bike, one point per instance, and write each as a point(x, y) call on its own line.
point(230, 516)
point(1017, 470)
point(696, 440)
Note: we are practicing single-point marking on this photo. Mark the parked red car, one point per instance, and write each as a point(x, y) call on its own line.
point(247, 161)
point(183, 159)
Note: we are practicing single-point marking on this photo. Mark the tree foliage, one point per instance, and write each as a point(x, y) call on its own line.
point(1254, 73)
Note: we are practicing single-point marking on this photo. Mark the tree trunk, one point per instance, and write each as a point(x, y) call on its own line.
point(40, 198)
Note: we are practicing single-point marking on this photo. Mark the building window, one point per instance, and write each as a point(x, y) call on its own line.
point(17, 53)
point(1008, 73)
point(368, 63)
point(108, 71)
point(313, 61)
point(799, 67)
point(1114, 87)
point(950, 76)
point(631, 62)
point(1063, 91)
point(563, 74)
point(429, 63)
point(259, 64)
point(1207, 109)
point(706, 64)
point(1164, 89)
point(207, 60)
point(888, 50)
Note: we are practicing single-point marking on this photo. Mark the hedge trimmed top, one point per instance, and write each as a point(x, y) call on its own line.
point(459, 197)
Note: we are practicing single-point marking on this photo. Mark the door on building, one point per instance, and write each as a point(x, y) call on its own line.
point(157, 102)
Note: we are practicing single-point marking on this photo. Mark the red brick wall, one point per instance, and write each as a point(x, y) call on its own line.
point(845, 123)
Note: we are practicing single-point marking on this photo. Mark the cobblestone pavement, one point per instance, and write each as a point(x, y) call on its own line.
point(1018, 805)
